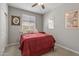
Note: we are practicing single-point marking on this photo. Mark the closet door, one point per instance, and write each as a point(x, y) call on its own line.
point(3, 27)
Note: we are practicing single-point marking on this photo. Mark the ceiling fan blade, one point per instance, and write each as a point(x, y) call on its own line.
point(43, 7)
point(34, 4)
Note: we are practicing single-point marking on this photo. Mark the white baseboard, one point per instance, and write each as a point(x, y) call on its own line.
point(77, 52)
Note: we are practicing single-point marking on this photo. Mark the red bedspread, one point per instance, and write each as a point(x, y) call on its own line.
point(36, 43)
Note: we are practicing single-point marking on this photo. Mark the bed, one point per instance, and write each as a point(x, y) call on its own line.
point(34, 44)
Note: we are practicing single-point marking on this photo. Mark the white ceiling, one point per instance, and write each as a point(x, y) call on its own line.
point(36, 9)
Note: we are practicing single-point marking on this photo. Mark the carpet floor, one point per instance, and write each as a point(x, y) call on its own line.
point(59, 51)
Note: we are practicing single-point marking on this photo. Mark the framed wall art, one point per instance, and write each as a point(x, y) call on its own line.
point(72, 19)
point(15, 20)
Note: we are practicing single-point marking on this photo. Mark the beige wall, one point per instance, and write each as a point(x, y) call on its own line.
point(14, 31)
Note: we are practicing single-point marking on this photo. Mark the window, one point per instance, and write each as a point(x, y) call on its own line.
point(28, 23)
point(50, 24)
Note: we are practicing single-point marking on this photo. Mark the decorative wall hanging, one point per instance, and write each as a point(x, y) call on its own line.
point(72, 19)
point(15, 20)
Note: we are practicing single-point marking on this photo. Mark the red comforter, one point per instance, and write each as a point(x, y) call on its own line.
point(36, 43)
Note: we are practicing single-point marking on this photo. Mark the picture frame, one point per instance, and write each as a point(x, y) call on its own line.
point(72, 19)
point(15, 20)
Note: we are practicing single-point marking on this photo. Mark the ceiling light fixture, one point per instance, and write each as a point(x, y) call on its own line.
point(41, 4)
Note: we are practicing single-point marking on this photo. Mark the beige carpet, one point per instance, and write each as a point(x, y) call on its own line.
point(14, 51)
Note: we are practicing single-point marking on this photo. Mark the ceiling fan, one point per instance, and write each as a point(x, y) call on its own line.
point(41, 4)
